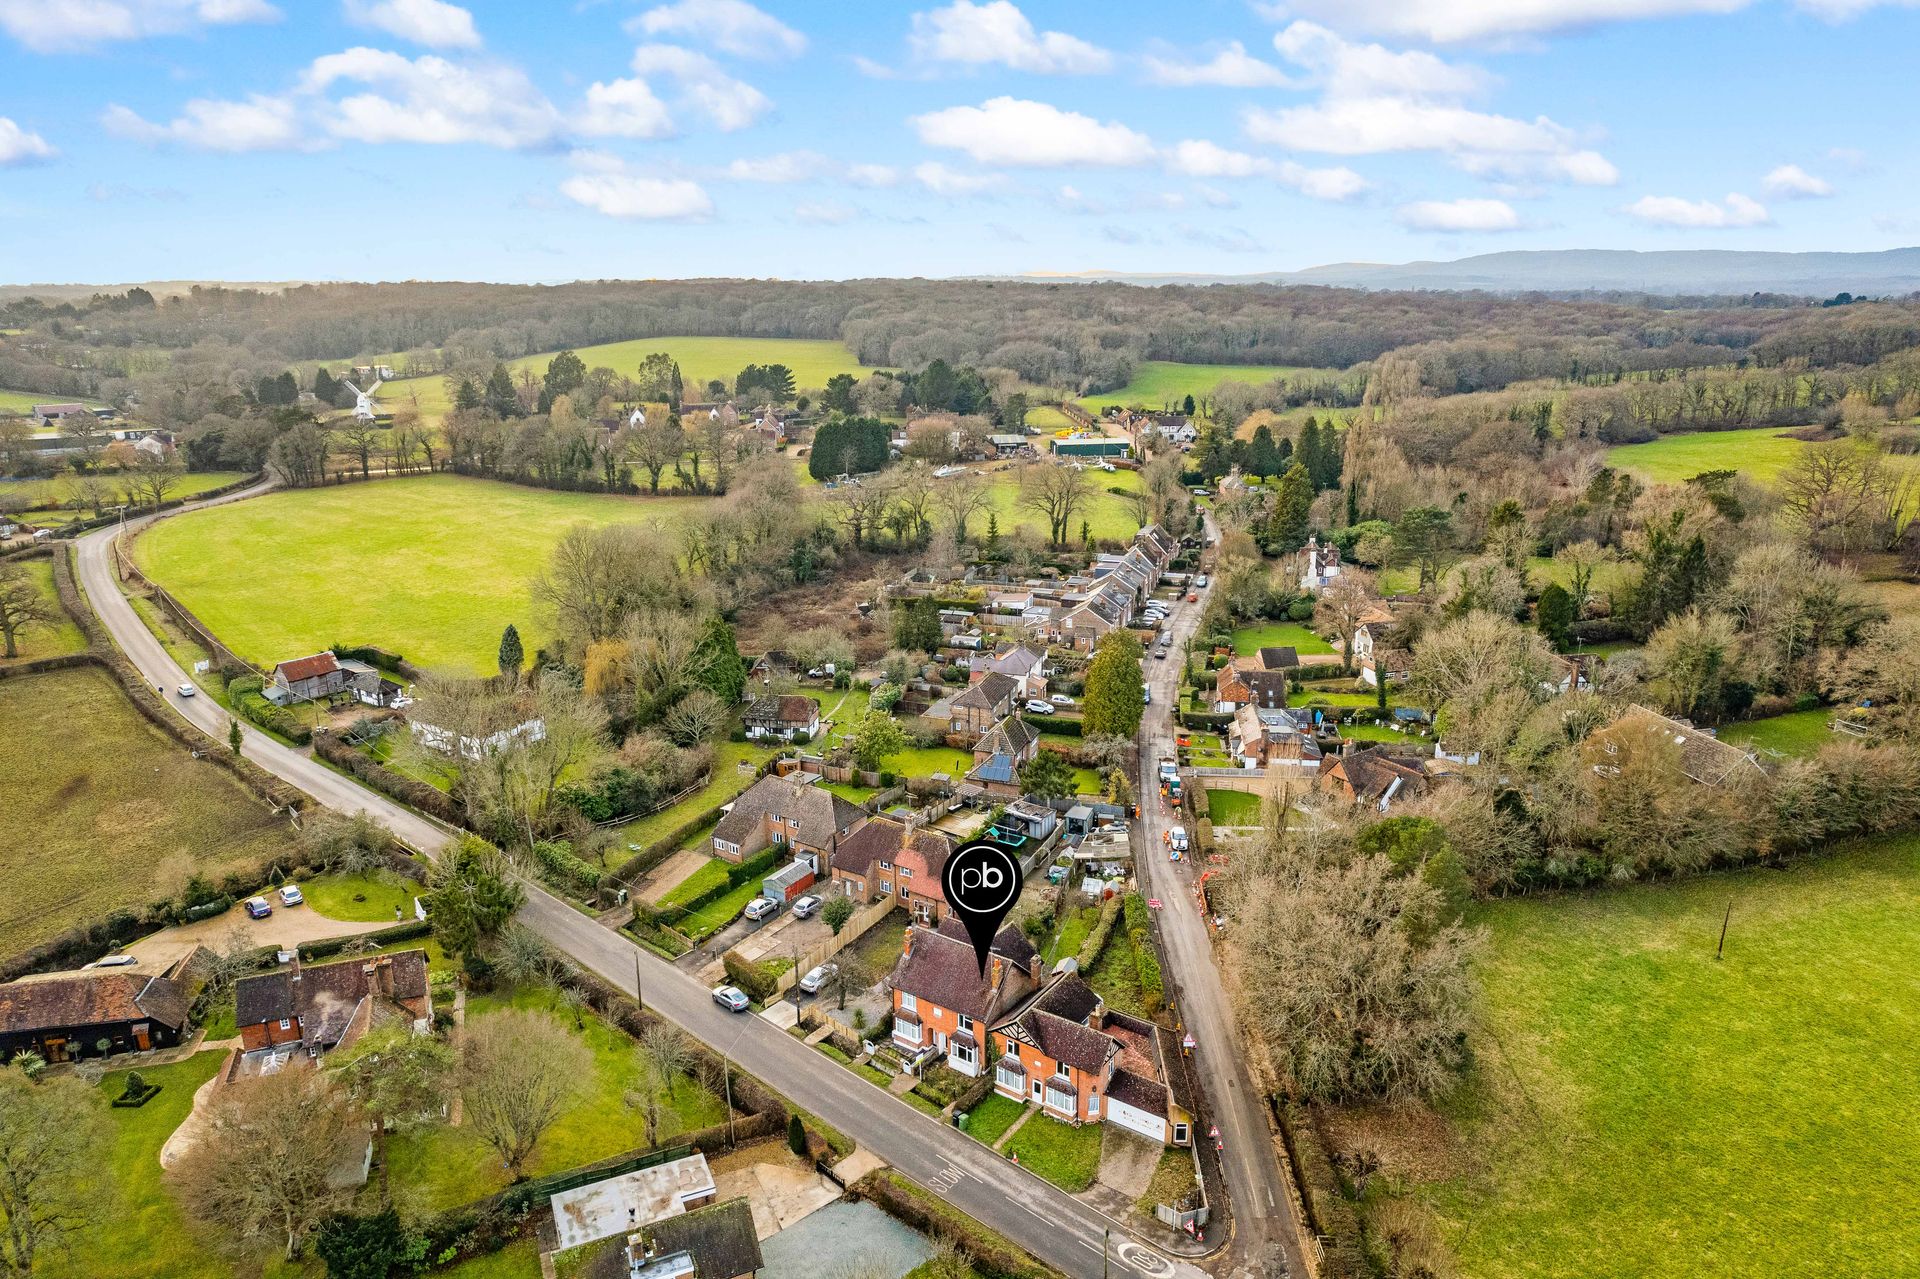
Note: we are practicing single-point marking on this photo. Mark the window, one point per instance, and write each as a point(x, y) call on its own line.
point(903, 889)
point(775, 818)
point(1093, 1105)
point(908, 1003)
point(1179, 1134)
point(905, 873)
point(285, 1024)
point(886, 865)
point(963, 1054)
point(966, 1022)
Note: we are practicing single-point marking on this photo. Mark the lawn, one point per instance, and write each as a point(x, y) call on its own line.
point(22, 402)
point(518, 1260)
point(446, 1166)
point(1762, 453)
point(150, 1234)
point(1071, 934)
point(112, 812)
point(992, 1117)
point(1161, 384)
point(1645, 1110)
point(728, 780)
point(1069, 1157)
point(1311, 696)
point(1115, 976)
point(62, 636)
point(813, 361)
point(925, 761)
point(1045, 417)
point(1233, 807)
point(1109, 516)
point(1795, 733)
point(716, 914)
point(360, 898)
point(710, 875)
point(432, 567)
point(1251, 639)
point(1373, 733)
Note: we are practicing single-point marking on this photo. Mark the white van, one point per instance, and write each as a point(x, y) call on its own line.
point(1179, 840)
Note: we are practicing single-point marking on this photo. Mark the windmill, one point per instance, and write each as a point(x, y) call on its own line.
point(363, 400)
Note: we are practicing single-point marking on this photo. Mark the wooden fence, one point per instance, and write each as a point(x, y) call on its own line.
point(863, 919)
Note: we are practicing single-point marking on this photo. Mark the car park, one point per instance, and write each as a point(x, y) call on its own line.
point(805, 906)
point(731, 998)
point(762, 908)
point(817, 977)
point(1039, 708)
point(258, 908)
point(290, 895)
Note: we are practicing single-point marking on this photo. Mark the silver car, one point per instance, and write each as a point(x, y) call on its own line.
point(818, 977)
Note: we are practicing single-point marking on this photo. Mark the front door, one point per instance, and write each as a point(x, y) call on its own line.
point(56, 1050)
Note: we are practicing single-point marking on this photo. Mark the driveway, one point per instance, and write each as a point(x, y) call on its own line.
point(286, 928)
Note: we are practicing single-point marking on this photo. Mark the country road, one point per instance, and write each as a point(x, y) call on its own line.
point(1265, 1231)
point(1032, 1213)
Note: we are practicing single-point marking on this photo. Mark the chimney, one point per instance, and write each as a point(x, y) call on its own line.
point(906, 943)
point(998, 971)
point(296, 966)
point(383, 969)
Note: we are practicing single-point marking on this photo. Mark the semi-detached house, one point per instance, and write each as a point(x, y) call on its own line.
point(942, 999)
point(810, 820)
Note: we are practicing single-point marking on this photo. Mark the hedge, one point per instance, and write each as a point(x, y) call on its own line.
point(329, 746)
point(755, 978)
point(1204, 719)
point(754, 867)
point(557, 858)
point(275, 719)
point(1098, 936)
point(1058, 725)
point(412, 930)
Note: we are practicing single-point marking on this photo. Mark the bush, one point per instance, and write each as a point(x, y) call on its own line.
point(796, 1136)
point(1059, 725)
point(275, 719)
point(243, 685)
point(756, 979)
point(556, 857)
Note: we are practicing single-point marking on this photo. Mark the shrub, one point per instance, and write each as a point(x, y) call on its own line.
point(756, 979)
point(1102, 931)
point(556, 857)
point(245, 684)
point(796, 1136)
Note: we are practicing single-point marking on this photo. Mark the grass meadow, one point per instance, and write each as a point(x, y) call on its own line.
point(430, 566)
point(1762, 453)
point(1162, 383)
point(54, 640)
point(701, 359)
point(43, 495)
point(111, 812)
point(1643, 1109)
point(20, 403)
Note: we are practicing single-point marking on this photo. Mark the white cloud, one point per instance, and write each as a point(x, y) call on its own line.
point(1231, 68)
point(430, 22)
point(1198, 158)
point(788, 166)
point(1372, 126)
point(1346, 69)
point(1670, 210)
point(728, 103)
point(431, 100)
point(261, 123)
point(625, 195)
point(1459, 215)
point(941, 180)
point(623, 109)
point(825, 213)
point(48, 25)
point(1583, 168)
point(1017, 131)
point(17, 146)
point(1468, 20)
point(731, 26)
point(873, 175)
point(1071, 199)
point(997, 32)
point(1791, 182)
point(1227, 240)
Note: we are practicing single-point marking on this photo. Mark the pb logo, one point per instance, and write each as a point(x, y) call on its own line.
point(982, 878)
point(974, 878)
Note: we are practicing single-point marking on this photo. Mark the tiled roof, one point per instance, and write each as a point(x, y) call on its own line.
point(820, 812)
point(1703, 757)
point(90, 999)
point(1372, 772)
point(1142, 1094)
point(1017, 661)
point(307, 667)
point(942, 969)
point(1011, 736)
point(786, 709)
point(325, 996)
point(1279, 658)
point(991, 694)
point(720, 1237)
point(882, 840)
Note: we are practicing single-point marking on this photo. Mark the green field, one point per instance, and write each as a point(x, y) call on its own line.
point(62, 636)
point(43, 495)
point(1644, 1110)
point(22, 402)
point(443, 1167)
point(432, 567)
point(1249, 640)
point(110, 812)
point(1162, 383)
point(701, 359)
point(1045, 417)
point(1110, 516)
point(1795, 733)
point(1762, 453)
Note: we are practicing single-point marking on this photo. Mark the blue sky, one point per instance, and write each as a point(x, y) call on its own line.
point(394, 139)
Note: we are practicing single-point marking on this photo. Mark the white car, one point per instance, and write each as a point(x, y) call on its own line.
point(730, 998)
point(1201, 581)
point(186, 690)
point(1037, 707)
point(290, 895)
point(1061, 699)
point(1179, 839)
point(805, 906)
point(817, 977)
point(762, 907)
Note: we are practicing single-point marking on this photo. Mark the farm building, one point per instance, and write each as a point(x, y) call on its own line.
point(1092, 446)
point(66, 1016)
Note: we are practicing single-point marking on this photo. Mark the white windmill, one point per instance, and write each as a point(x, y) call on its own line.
point(363, 410)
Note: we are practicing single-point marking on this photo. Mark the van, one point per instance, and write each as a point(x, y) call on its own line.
point(1179, 840)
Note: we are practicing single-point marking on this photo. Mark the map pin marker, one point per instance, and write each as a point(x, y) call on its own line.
point(982, 882)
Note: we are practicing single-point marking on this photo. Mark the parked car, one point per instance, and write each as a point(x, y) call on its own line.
point(761, 908)
point(258, 908)
point(1146, 694)
point(731, 998)
point(1193, 597)
point(113, 961)
point(804, 908)
point(1178, 838)
point(187, 690)
point(1061, 699)
point(1159, 654)
point(817, 977)
point(1039, 708)
point(1201, 581)
point(290, 895)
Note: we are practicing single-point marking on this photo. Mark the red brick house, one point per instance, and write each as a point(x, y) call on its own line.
point(986, 702)
point(940, 997)
point(1374, 777)
point(321, 1007)
point(1080, 1062)
point(808, 819)
point(886, 858)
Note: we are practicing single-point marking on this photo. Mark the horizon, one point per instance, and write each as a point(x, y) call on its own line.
point(717, 139)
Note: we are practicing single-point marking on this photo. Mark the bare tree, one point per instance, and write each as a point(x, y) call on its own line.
point(1055, 492)
point(399, 1078)
point(1341, 605)
point(913, 489)
point(656, 446)
point(357, 438)
point(860, 508)
point(51, 1136)
point(517, 1076)
point(153, 478)
point(960, 498)
point(264, 1162)
point(695, 718)
point(1583, 560)
point(22, 605)
point(666, 1046)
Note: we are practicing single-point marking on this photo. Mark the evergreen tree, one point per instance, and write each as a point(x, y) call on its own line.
point(848, 445)
point(839, 394)
point(916, 626)
point(936, 385)
point(1353, 504)
point(1114, 700)
point(466, 395)
point(1186, 406)
point(1554, 616)
point(512, 657)
point(1047, 775)
point(565, 375)
point(501, 399)
point(1263, 455)
point(1292, 508)
point(324, 387)
point(722, 670)
point(796, 1136)
point(233, 735)
point(1307, 452)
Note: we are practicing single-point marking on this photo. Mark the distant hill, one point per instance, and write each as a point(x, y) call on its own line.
point(159, 289)
point(1709, 271)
